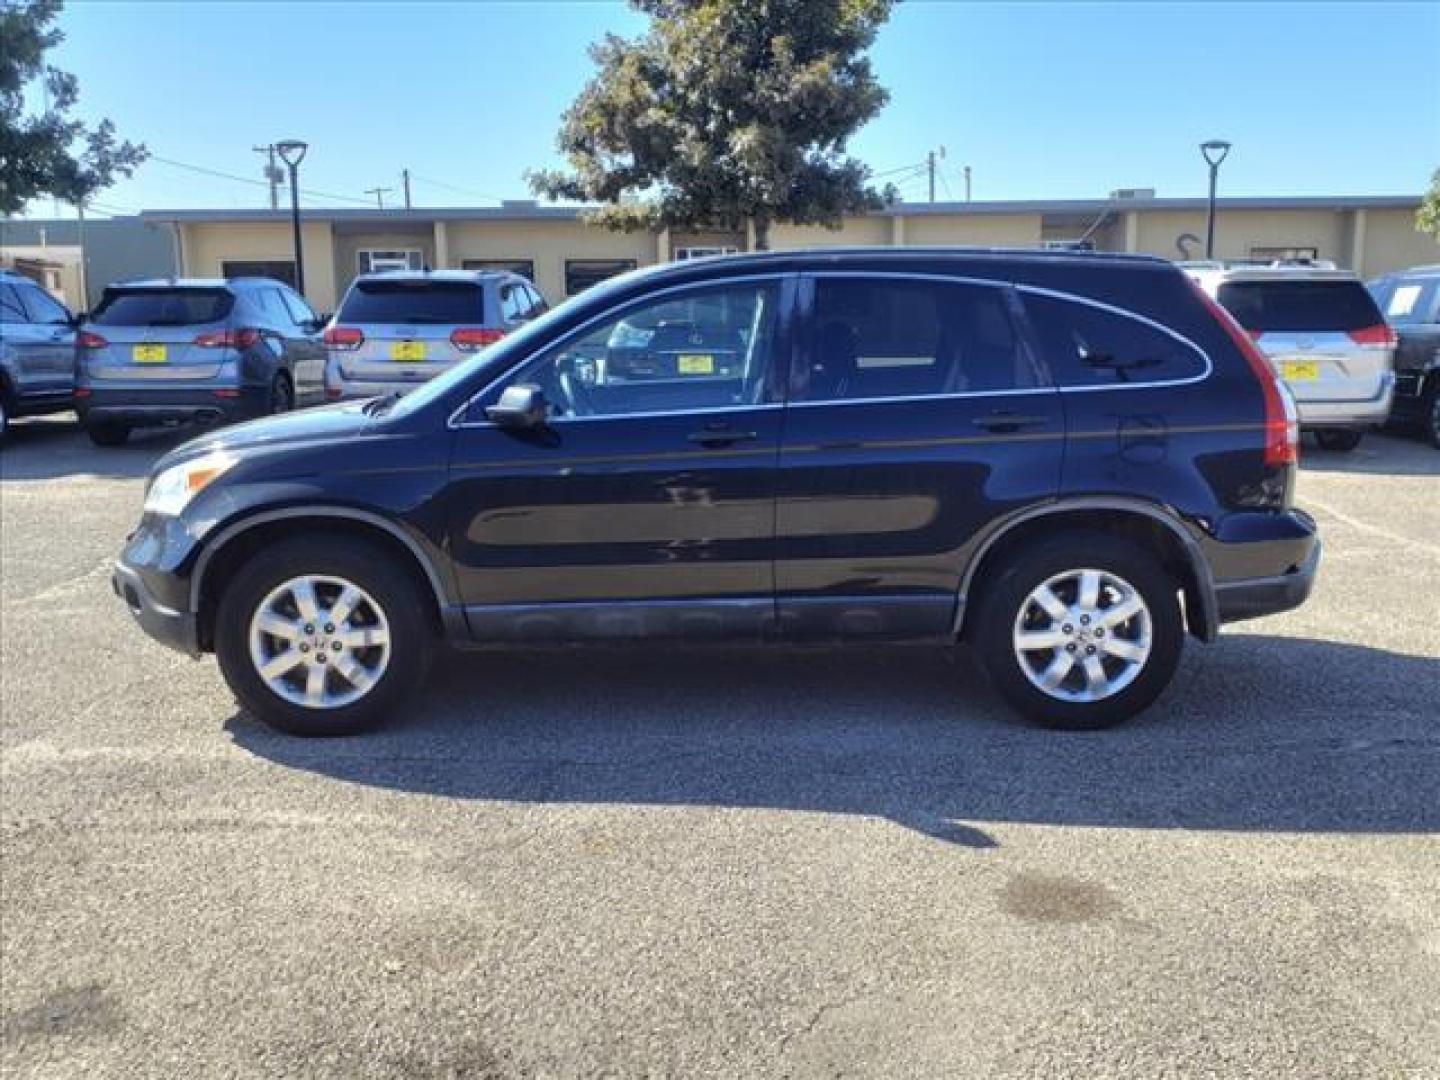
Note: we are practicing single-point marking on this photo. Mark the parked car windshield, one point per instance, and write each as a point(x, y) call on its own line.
point(162, 307)
point(414, 301)
point(1299, 305)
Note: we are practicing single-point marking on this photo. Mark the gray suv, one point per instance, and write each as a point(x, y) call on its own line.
point(37, 350)
point(170, 350)
point(396, 330)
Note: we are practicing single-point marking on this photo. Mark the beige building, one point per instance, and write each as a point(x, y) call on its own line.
point(555, 248)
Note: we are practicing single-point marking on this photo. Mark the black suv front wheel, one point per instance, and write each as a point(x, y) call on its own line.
point(322, 636)
point(1081, 630)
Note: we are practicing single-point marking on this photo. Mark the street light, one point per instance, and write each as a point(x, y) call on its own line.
point(1215, 151)
point(292, 152)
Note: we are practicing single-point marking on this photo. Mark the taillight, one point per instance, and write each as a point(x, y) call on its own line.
point(1282, 420)
point(1380, 334)
point(470, 338)
point(242, 338)
point(88, 340)
point(343, 337)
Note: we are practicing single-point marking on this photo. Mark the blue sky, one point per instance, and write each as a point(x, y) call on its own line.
point(1041, 100)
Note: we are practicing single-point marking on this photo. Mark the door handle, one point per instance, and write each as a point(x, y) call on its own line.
point(1001, 421)
point(721, 436)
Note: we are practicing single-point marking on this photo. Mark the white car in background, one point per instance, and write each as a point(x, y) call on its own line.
point(1324, 334)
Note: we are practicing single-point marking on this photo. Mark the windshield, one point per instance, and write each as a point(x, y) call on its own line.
point(1299, 305)
point(162, 307)
point(408, 300)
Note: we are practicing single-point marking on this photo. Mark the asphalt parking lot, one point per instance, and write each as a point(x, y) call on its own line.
point(723, 863)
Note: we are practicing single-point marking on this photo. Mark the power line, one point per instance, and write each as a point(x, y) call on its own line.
point(204, 171)
point(455, 187)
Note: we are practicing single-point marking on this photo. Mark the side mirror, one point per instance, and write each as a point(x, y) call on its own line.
point(520, 406)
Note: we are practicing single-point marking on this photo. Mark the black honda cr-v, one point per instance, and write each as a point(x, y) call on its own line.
point(1067, 460)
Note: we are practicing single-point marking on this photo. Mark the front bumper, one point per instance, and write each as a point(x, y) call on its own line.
point(177, 629)
point(153, 407)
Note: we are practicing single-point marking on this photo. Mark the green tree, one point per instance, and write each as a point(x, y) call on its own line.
point(48, 153)
point(723, 112)
point(1427, 220)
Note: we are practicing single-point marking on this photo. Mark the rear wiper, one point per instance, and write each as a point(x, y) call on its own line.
point(382, 404)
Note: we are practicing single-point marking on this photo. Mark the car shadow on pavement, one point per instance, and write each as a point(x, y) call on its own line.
point(1258, 733)
point(48, 448)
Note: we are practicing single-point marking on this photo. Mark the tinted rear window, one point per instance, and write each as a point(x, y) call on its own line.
point(162, 307)
point(1299, 305)
point(441, 302)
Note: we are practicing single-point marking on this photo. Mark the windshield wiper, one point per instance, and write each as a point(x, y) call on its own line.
point(382, 404)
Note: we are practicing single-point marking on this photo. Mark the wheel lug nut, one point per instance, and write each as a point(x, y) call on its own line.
point(329, 628)
point(304, 647)
point(320, 656)
point(309, 628)
point(1084, 620)
point(335, 645)
point(1099, 632)
point(1089, 650)
point(1067, 629)
point(1070, 647)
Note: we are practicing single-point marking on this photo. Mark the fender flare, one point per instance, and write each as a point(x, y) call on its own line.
point(344, 513)
point(1207, 618)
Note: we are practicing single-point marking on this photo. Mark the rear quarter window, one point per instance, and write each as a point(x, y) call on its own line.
point(420, 302)
point(1086, 345)
point(1299, 305)
point(162, 307)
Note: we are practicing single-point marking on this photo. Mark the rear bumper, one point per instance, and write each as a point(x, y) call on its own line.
point(1288, 560)
point(1347, 412)
point(356, 389)
point(177, 629)
point(151, 407)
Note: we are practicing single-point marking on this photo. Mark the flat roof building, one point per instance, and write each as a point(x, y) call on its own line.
point(554, 247)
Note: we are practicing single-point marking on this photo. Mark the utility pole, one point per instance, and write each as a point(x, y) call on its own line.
point(405, 176)
point(379, 193)
point(967, 183)
point(930, 164)
point(272, 173)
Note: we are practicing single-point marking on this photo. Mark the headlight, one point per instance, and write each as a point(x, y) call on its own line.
point(171, 491)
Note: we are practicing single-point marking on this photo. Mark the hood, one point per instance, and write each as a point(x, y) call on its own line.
point(295, 428)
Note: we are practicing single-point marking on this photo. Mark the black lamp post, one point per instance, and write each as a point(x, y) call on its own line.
point(1215, 151)
point(292, 152)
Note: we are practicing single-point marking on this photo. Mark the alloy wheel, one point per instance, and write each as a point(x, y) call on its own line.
point(1083, 635)
point(320, 642)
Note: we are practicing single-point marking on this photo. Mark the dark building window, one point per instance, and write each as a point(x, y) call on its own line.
point(280, 270)
point(580, 274)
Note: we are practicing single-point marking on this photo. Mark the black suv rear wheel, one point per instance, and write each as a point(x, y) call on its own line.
point(322, 635)
point(107, 433)
point(1080, 631)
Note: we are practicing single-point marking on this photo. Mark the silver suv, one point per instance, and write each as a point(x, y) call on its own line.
point(37, 350)
point(396, 330)
point(1324, 334)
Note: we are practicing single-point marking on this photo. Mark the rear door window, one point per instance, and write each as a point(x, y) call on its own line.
point(11, 309)
point(420, 302)
point(1086, 345)
point(162, 307)
point(1299, 305)
point(883, 338)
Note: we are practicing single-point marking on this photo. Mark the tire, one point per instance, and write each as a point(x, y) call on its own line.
point(4, 410)
point(107, 434)
point(1338, 440)
point(1006, 608)
point(1430, 411)
point(392, 609)
point(282, 395)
